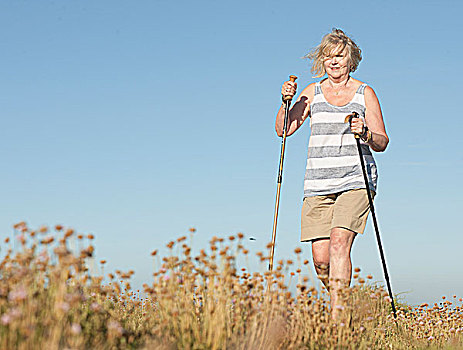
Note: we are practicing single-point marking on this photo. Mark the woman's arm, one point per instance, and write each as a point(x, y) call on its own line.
point(298, 112)
point(374, 120)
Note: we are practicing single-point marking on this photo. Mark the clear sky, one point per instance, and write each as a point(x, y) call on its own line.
point(136, 120)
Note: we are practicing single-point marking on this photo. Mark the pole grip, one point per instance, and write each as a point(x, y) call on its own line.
point(289, 97)
point(348, 119)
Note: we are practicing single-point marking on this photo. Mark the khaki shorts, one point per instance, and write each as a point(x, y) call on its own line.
point(347, 209)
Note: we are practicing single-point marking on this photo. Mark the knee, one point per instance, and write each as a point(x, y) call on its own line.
point(339, 246)
point(321, 264)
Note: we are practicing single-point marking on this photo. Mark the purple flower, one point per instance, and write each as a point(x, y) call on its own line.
point(95, 307)
point(18, 294)
point(76, 328)
point(5, 319)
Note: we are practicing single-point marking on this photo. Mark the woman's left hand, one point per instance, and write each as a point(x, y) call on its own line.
point(356, 126)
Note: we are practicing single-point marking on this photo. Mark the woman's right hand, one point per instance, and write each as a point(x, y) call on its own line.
point(289, 89)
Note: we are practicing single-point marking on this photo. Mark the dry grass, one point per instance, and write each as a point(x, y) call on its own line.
point(50, 300)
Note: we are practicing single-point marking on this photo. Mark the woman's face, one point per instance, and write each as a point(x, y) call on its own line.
point(337, 64)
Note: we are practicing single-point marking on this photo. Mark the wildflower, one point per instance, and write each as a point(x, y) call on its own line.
point(114, 326)
point(47, 240)
point(76, 328)
point(17, 294)
point(5, 319)
point(19, 225)
point(64, 306)
point(95, 307)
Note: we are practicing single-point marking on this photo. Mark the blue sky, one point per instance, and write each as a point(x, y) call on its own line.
point(136, 120)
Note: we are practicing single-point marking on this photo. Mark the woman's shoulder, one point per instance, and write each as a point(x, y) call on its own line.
point(309, 91)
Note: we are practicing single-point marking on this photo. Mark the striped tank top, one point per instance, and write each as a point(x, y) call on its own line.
point(333, 163)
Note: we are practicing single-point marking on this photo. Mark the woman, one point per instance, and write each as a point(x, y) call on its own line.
point(335, 207)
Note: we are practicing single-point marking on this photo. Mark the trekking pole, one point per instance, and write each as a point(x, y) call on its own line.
point(287, 100)
point(373, 214)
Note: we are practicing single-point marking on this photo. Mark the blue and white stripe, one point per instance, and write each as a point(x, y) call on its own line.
point(333, 163)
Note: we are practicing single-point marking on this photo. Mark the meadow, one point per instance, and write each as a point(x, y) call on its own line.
point(51, 297)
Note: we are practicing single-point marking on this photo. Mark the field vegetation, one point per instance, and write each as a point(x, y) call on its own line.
point(52, 298)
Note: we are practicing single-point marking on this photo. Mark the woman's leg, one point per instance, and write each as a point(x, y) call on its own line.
point(340, 272)
point(321, 259)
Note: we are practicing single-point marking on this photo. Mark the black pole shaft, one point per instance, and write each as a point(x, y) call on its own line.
point(279, 181)
point(375, 223)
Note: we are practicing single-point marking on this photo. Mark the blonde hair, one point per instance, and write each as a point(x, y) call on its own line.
point(333, 43)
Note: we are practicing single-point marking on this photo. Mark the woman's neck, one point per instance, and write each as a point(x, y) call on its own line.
point(338, 83)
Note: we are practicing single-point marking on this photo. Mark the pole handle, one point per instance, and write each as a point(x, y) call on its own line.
point(348, 119)
point(289, 97)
